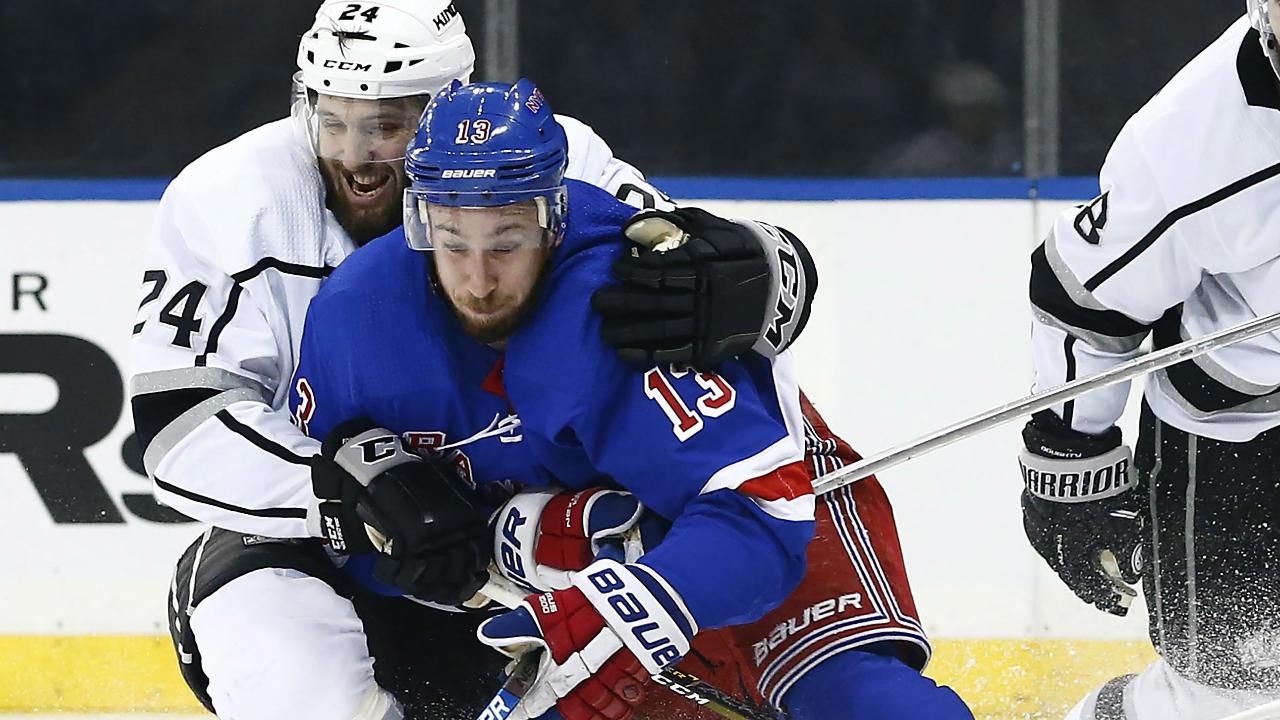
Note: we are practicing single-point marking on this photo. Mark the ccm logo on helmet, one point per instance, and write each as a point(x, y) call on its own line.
point(447, 174)
point(348, 65)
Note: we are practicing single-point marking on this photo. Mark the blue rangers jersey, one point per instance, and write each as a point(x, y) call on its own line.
point(717, 454)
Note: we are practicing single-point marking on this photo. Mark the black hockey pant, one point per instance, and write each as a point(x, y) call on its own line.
point(1212, 553)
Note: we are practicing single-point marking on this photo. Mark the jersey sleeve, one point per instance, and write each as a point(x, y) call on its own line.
point(323, 393)
point(212, 348)
point(592, 161)
point(1106, 273)
point(720, 455)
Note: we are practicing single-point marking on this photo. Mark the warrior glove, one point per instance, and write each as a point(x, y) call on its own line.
point(700, 289)
point(417, 514)
point(1082, 511)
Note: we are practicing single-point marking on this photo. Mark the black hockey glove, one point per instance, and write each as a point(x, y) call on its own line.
point(728, 287)
point(1082, 511)
point(418, 514)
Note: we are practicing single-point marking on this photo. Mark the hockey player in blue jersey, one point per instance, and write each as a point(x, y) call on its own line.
point(469, 338)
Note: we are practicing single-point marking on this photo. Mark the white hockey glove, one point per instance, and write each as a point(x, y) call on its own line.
point(600, 641)
point(541, 536)
point(1082, 511)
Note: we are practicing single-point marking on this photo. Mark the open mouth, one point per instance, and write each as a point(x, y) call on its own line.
point(366, 187)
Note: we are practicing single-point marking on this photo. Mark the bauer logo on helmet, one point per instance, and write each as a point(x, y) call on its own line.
point(460, 174)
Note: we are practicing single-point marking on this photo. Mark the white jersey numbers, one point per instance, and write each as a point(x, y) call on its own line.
point(473, 133)
point(718, 399)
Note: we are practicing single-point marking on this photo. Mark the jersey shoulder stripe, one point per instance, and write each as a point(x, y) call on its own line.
point(288, 268)
point(261, 442)
point(284, 512)
point(1173, 217)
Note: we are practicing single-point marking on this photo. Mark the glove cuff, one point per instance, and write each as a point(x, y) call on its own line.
point(645, 612)
point(596, 514)
point(331, 512)
point(542, 535)
point(515, 538)
point(793, 282)
point(1078, 480)
point(371, 453)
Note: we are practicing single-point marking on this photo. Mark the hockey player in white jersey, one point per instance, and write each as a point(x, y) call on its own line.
point(264, 625)
point(1184, 240)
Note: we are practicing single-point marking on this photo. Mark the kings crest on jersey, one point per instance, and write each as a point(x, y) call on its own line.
point(382, 342)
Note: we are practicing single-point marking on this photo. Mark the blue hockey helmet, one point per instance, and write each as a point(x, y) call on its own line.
point(486, 145)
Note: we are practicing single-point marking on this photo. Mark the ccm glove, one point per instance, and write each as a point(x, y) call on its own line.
point(700, 289)
point(1082, 511)
point(417, 514)
point(541, 535)
point(600, 641)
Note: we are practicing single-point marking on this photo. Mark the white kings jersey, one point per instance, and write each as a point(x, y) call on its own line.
point(240, 245)
point(1184, 240)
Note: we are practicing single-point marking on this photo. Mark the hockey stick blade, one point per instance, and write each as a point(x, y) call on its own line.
point(1031, 404)
point(513, 690)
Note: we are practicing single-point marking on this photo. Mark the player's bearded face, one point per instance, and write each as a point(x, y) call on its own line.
point(361, 145)
point(490, 263)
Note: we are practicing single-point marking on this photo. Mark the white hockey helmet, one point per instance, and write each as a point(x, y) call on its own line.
point(385, 49)
point(1264, 15)
point(372, 54)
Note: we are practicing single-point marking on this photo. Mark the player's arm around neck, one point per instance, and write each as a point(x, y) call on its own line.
point(206, 349)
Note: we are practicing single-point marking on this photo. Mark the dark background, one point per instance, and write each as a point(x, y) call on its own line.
point(712, 87)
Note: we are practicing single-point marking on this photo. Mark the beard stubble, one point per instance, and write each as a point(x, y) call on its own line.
point(362, 223)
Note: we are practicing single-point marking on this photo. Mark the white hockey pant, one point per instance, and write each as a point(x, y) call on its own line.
point(281, 644)
point(1159, 693)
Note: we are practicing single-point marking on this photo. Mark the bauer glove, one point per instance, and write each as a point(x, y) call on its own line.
point(599, 641)
point(541, 535)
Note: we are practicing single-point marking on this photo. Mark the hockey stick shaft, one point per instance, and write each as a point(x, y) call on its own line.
point(687, 686)
point(1031, 404)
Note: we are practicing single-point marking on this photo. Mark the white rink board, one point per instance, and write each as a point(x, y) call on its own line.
point(921, 320)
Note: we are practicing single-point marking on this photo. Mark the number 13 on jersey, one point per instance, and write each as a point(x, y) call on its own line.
point(718, 399)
